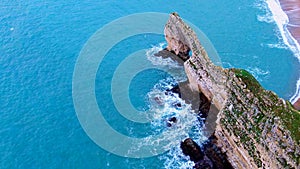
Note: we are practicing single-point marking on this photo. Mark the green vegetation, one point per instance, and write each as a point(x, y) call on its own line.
point(230, 123)
point(269, 106)
point(248, 79)
point(290, 118)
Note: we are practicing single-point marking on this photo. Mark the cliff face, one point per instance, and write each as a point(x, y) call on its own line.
point(255, 128)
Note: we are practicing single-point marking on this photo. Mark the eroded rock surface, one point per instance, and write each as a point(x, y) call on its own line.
point(255, 128)
point(190, 148)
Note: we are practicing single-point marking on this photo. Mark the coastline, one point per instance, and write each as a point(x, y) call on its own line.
point(292, 9)
point(286, 14)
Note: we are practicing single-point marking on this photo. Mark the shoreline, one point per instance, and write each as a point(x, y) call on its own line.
point(292, 9)
point(286, 14)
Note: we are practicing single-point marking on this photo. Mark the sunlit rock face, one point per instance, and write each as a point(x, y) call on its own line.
point(255, 128)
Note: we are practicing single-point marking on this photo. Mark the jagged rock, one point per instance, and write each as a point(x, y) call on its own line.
point(165, 53)
point(192, 149)
point(175, 89)
point(204, 164)
point(214, 153)
point(255, 128)
point(171, 121)
point(202, 159)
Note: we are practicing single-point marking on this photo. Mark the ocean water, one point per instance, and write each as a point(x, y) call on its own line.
point(40, 43)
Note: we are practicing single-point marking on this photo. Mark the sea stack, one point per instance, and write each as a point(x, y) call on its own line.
point(255, 128)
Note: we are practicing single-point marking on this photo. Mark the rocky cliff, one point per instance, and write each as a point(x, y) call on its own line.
point(255, 128)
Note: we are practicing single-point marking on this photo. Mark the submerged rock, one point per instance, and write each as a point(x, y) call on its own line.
point(210, 157)
point(254, 127)
point(171, 121)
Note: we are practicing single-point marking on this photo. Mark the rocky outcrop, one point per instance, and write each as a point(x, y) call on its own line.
point(209, 157)
point(255, 128)
point(190, 148)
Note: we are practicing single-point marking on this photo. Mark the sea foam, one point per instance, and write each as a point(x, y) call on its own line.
point(274, 13)
point(163, 105)
point(167, 64)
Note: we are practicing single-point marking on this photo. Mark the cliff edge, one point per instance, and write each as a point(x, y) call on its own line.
point(255, 128)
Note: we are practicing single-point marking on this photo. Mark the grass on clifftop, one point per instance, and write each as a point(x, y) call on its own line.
point(291, 119)
point(289, 116)
point(248, 79)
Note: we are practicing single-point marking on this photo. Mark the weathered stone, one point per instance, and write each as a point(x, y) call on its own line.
point(192, 149)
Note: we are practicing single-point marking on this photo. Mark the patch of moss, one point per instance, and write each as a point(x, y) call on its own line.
point(238, 113)
point(258, 118)
point(290, 118)
point(248, 79)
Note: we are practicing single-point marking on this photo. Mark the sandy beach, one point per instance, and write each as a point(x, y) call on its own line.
point(292, 9)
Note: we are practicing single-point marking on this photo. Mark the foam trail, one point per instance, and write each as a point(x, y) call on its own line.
point(258, 73)
point(297, 94)
point(158, 60)
point(164, 105)
point(281, 19)
point(166, 64)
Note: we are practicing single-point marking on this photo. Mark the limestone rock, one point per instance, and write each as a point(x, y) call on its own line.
point(255, 128)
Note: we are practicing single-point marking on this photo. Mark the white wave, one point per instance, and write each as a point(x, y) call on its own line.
point(267, 17)
point(296, 96)
point(175, 159)
point(279, 46)
point(158, 60)
point(258, 73)
point(166, 64)
point(281, 19)
point(165, 105)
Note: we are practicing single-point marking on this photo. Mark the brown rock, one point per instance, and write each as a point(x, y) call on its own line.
point(297, 104)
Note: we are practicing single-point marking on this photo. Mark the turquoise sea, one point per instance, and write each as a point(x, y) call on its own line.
point(39, 46)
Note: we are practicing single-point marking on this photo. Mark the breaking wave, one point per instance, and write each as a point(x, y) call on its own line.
point(275, 14)
point(167, 64)
point(258, 73)
point(171, 116)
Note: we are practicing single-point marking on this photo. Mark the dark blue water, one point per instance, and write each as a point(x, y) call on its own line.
point(41, 40)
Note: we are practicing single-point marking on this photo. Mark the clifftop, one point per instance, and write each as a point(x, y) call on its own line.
point(255, 128)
